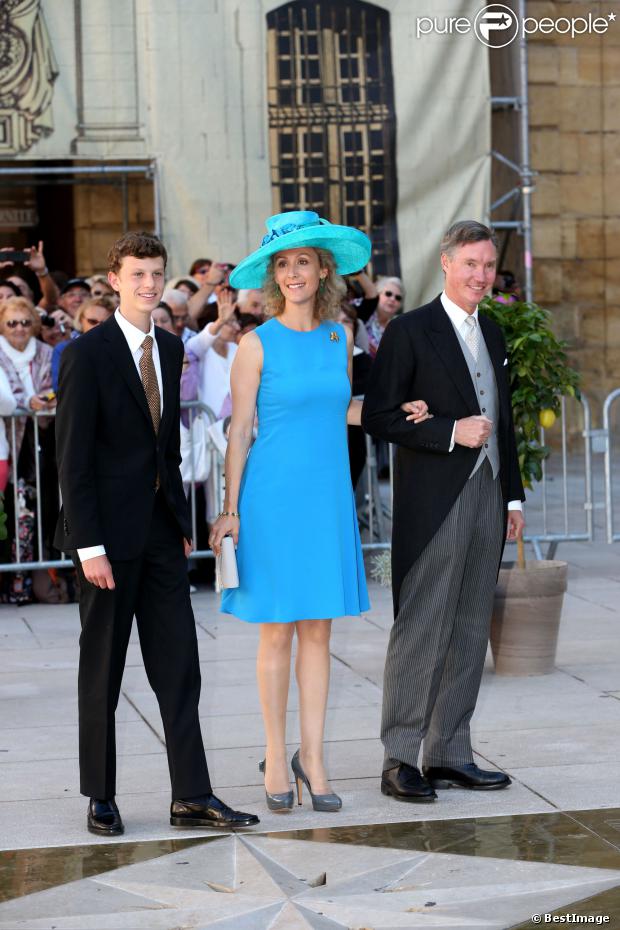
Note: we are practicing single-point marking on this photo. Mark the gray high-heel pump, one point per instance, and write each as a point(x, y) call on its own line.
point(320, 802)
point(277, 802)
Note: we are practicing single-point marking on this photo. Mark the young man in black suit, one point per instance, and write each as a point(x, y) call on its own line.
point(456, 488)
point(125, 521)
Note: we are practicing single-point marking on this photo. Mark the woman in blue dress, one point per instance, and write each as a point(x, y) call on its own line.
point(289, 503)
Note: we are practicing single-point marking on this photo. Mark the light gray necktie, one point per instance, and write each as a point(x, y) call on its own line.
point(472, 336)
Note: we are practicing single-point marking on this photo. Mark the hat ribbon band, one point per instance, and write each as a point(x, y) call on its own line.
point(289, 228)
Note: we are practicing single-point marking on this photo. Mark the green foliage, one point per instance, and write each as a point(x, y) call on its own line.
point(3, 529)
point(540, 375)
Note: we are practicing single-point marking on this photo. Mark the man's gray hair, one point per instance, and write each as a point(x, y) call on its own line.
point(175, 295)
point(463, 233)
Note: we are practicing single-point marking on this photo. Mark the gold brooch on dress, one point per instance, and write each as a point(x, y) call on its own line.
point(334, 337)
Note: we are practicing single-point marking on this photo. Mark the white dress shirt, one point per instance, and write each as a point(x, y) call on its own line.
point(458, 318)
point(135, 337)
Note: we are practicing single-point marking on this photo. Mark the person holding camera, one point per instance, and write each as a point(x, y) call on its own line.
point(13, 262)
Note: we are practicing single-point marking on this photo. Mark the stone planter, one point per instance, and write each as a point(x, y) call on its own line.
point(526, 617)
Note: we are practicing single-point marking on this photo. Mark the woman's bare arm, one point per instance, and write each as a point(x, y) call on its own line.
point(244, 383)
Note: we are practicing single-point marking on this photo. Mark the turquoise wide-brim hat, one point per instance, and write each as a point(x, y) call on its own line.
point(298, 228)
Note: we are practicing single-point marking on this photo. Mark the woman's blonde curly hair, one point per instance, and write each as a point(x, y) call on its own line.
point(328, 297)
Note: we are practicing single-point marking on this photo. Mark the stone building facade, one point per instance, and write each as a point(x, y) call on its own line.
point(230, 100)
point(223, 100)
point(574, 89)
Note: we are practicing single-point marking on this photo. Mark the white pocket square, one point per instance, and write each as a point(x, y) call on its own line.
point(505, 361)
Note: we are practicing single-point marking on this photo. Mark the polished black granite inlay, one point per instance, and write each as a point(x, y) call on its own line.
point(23, 871)
point(578, 838)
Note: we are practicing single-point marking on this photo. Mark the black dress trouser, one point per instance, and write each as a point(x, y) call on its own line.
point(154, 588)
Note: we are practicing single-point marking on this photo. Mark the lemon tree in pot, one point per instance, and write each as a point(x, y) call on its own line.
point(529, 595)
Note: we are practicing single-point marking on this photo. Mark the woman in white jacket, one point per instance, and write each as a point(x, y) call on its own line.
point(8, 403)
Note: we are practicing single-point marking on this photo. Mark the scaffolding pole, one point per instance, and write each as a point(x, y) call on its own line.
point(521, 194)
point(526, 172)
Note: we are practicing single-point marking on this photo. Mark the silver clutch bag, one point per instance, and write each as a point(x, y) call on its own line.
point(226, 573)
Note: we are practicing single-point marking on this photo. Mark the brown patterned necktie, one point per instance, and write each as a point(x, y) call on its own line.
point(149, 381)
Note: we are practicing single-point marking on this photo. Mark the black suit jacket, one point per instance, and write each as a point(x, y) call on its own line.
point(420, 357)
point(108, 454)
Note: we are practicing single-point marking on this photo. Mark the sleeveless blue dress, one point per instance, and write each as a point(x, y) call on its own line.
point(299, 552)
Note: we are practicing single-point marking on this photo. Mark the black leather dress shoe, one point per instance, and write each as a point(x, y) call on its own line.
point(405, 783)
point(103, 818)
point(208, 811)
point(465, 776)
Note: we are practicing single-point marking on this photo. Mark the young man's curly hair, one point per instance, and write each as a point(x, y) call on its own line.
point(328, 297)
point(136, 245)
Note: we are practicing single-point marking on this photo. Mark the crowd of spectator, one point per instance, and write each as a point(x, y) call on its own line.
point(41, 311)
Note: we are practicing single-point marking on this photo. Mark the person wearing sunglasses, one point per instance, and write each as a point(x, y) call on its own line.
point(26, 362)
point(25, 359)
point(94, 312)
point(199, 269)
point(391, 296)
point(91, 313)
point(100, 286)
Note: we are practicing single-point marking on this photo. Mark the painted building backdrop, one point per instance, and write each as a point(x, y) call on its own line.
point(212, 114)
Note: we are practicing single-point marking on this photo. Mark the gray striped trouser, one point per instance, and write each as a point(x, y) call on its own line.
point(439, 639)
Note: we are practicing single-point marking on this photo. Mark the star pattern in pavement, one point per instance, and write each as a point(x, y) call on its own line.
point(251, 883)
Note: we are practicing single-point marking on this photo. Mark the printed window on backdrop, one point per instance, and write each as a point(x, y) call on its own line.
point(332, 125)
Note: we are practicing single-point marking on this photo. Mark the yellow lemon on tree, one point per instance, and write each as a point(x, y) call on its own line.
point(546, 418)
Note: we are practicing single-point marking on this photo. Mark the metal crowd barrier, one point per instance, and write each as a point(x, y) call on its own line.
point(374, 509)
point(607, 438)
point(374, 499)
point(214, 484)
point(566, 533)
point(40, 562)
point(214, 480)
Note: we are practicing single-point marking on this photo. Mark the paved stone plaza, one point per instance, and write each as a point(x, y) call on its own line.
point(483, 859)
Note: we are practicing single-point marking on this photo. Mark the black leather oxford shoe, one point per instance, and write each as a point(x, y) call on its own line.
point(465, 776)
point(103, 818)
point(405, 783)
point(208, 811)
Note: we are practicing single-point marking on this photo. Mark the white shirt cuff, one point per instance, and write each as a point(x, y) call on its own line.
point(452, 438)
point(90, 552)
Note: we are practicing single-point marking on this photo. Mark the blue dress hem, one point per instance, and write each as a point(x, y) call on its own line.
point(333, 616)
